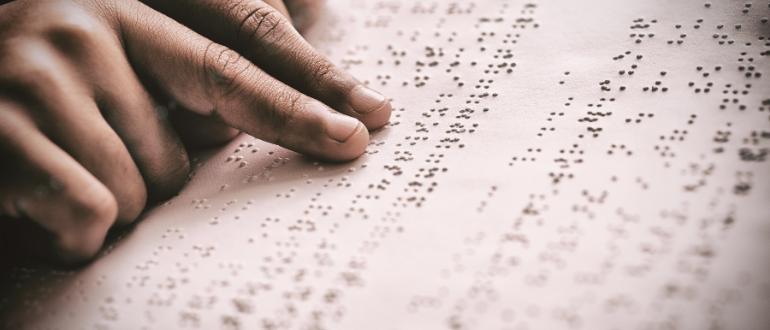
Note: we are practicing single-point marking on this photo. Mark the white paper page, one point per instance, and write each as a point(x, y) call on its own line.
point(527, 180)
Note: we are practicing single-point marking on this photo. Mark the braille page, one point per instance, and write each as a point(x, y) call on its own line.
point(548, 165)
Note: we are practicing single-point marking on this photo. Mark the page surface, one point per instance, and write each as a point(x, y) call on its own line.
point(548, 165)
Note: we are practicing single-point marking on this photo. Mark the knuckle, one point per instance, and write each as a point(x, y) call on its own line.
point(251, 16)
point(258, 22)
point(94, 207)
point(95, 212)
point(25, 63)
point(71, 30)
point(222, 69)
point(32, 74)
point(63, 26)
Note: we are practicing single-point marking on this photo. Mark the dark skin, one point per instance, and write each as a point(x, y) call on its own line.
point(84, 144)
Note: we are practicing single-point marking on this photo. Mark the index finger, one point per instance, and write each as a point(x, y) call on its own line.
point(262, 35)
point(212, 80)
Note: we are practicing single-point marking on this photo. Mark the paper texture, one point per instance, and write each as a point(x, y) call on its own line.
point(548, 165)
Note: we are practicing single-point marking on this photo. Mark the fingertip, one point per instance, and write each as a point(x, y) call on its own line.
point(371, 107)
point(350, 147)
point(378, 117)
point(341, 127)
point(355, 145)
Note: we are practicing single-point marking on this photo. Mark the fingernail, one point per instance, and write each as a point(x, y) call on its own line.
point(341, 127)
point(364, 100)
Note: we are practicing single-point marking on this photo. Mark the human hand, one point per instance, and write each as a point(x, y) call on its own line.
point(82, 147)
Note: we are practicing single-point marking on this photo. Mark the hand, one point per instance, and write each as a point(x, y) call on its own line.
point(82, 146)
point(302, 13)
